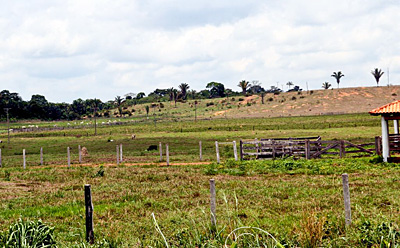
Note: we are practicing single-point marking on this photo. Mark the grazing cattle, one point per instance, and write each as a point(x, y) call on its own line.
point(133, 136)
point(1, 141)
point(152, 148)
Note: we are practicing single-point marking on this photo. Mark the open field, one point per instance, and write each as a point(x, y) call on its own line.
point(293, 200)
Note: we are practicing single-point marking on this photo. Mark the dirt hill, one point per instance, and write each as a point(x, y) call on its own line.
point(317, 102)
point(314, 102)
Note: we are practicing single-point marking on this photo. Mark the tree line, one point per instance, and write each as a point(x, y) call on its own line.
point(39, 108)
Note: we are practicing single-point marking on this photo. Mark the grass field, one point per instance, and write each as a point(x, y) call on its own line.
point(298, 201)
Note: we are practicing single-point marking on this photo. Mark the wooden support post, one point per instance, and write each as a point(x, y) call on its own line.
point(396, 126)
point(160, 148)
point(213, 203)
point(89, 214)
point(342, 149)
point(69, 157)
point(378, 147)
point(235, 150)
point(167, 153)
point(80, 154)
point(41, 155)
point(1, 163)
point(307, 149)
point(120, 153)
point(385, 139)
point(346, 196)
point(117, 149)
point(23, 156)
point(217, 150)
point(200, 151)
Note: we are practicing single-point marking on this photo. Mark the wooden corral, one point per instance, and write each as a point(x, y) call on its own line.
point(308, 147)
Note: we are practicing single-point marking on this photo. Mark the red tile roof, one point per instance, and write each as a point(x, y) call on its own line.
point(390, 108)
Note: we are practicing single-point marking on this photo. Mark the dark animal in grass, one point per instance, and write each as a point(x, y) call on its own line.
point(152, 148)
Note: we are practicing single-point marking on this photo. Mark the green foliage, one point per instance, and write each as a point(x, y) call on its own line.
point(100, 172)
point(28, 234)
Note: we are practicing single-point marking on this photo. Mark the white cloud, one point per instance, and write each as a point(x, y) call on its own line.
point(84, 49)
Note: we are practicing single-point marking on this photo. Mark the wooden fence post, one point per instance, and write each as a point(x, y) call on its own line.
point(80, 154)
point(89, 214)
point(167, 153)
point(235, 150)
point(346, 196)
point(1, 164)
point(160, 148)
point(117, 149)
point(342, 149)
point(69, 157)
point(201, 151)
point(217, 150)
point(378, 147)
point(23, 156)
point(307, 149)
point(120, 153)
point(212, 203)
point(41, 155)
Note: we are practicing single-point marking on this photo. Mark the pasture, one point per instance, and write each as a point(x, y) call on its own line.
point(299, 202)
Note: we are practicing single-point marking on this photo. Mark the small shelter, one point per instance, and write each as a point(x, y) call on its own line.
point(388, 112)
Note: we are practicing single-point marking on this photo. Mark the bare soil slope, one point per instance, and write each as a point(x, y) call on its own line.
point(317, 102)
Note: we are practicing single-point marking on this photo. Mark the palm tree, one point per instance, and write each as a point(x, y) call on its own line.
point(337, 75)
point(377, 73)
point(289, 84)
point(244, 85)
point(326, 85)
point(184, 87)
point(118, 101)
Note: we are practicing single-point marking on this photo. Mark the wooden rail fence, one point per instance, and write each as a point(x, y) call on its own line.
point(309, 147)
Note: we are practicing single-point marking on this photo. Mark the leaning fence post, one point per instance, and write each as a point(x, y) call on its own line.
point(41, 155)
point(160, 148)
point(23, 155)
point(212, 203)
point(167, 153)
point(201, 151)
point(117, 149)
point(346, 196)
point(120, 153)
point(80, 154)
point(235, 150)
point(89, 214)
point(69, 157)
point(217, 150)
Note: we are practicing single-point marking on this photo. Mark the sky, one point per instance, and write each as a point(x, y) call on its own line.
point(70, 49)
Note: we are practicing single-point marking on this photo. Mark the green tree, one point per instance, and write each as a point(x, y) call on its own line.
point(377, 73)
point(326, 85)
point(118, 102)
point(337, 75)
point(184, 87)
point(289, 84)
point(216, 89)
point(244, 85)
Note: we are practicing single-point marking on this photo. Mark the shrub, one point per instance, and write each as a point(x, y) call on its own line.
point(209, 104)
point(28, 234)
point(240, 99)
